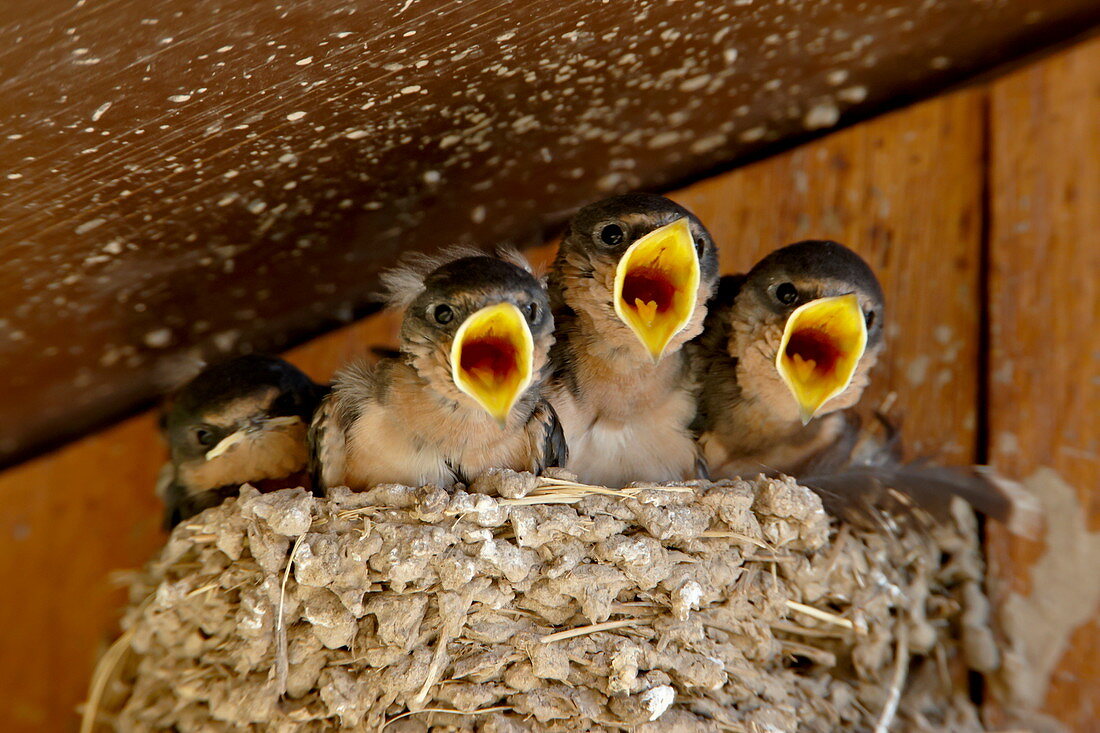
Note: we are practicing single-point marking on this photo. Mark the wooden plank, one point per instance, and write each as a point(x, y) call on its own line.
point(224, 175)
point(904, 191)
point(1045, 310)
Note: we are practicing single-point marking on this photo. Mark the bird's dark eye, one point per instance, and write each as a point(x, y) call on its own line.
point(531, 312)
point(205, 437)
point(612, 234)
point(443, 313)
point(869, 317)
point(786, 293)
point(699, 247)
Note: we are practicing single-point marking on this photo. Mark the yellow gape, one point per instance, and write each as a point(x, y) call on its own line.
point(492, 358)
point(822, 344)
point(656, 284)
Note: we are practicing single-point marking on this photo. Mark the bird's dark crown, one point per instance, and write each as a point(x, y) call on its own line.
point(818, 260)
point(638, 214)
point(223, 383)
point(481, 274)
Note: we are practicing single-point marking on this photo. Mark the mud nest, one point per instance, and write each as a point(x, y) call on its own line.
point(526, 603)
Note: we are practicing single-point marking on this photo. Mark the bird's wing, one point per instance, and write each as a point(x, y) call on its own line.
point(326, 446)
point(551, 449)
point(859, 493)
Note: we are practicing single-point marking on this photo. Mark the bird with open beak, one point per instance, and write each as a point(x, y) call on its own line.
point(240, 421)
point(786, 349)
point(465, 392)
point(629, 288)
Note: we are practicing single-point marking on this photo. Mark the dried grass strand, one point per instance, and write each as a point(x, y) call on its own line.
point(282, 663)
point(102, 675)
point(480, 711)
point(901, 669)
point(591, 629)
point(830, 618)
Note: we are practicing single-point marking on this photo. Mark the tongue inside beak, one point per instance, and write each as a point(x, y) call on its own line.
point(492, 358)
point(821, 347)
point(656, 284)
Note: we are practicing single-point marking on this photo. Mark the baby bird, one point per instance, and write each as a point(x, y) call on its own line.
point(629, 288)
point(785, 350)
point(244, 420)
point(792, 341)
point(465, 392)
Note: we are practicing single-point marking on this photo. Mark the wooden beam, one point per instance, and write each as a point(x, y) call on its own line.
point(205, 176)
point(1045, 323)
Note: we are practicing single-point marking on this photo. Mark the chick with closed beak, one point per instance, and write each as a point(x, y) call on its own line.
point(629, 288)
point(465, 392)
point(241, 421)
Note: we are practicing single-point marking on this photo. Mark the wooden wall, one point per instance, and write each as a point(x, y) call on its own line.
point(984, 201)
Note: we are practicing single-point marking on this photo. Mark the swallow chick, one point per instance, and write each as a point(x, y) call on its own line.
point(464, 393)
point(786, 350)
point(241, 421)
point(629, 288)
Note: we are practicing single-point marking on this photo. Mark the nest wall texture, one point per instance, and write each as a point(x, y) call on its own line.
point(529, 603)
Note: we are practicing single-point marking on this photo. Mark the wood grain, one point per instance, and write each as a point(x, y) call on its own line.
point(904, 191)
point(219, 176)
point(1045, 318)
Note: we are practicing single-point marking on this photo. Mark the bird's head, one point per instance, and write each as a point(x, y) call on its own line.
point(478, 329)
point(240, 421)
point(639, 268)
point(806, 328)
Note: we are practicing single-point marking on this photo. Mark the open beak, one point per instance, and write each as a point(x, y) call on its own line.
point(229, 443)
point(656, 284)
point(492, 358)
point(822, 344)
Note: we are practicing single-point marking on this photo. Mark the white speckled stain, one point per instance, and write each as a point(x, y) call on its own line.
point(852, 95)
point(158, 339)
point(179, 98)
point(89, 225)
point(753, 134)
point(658, 699)
point(823, 114)
point(304, 61)
point(295, 116)
point(100, 111)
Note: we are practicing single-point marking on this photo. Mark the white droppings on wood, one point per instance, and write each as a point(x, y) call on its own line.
point(753, 134)
point(179, 98)
point(100, 111)
point(823, 114)
point(89, 225)
point(852, 95)
point(158, 339)
point(295, 116)
point(304, 61)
